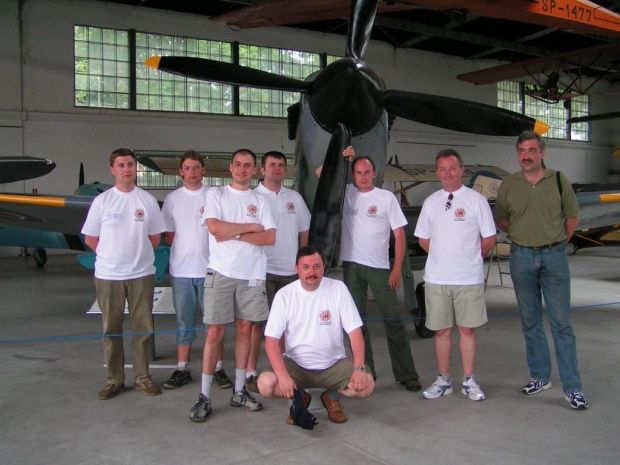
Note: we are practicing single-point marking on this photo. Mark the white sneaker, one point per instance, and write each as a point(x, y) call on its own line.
point(471, 389)
point(441, 387)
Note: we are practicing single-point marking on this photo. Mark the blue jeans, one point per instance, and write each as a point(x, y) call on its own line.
point(187, 295)
point(538, 274)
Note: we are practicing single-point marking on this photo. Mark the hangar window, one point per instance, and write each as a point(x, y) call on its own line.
point(101, 67)
point(289, 63)
point(156, 90)
point(513, 96)
point(110, 73)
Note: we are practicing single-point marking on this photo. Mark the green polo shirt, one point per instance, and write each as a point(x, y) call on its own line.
point(535, 210)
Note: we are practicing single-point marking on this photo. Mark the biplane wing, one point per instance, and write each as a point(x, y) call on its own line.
point(605, 57)
point(579, 16)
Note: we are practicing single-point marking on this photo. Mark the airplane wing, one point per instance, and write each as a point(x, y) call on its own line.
point(580, 16)
point(63, 214)
point(216, 167)
point(427, 173)
point(605, 57)
point(598, 205)
point(21, 168)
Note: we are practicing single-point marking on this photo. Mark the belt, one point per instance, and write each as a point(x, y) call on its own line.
point(540, 247)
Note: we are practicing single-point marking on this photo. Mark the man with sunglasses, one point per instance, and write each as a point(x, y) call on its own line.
point(456, 229)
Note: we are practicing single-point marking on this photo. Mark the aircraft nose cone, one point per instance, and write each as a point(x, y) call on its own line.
point(347, 92)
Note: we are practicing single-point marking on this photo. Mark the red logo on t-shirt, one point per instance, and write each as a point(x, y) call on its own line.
point(139, 214)
point(290, 208)
point(459, 214)
point(372, 210)
point(202, 211)
point(325, 317)
point(252, 209)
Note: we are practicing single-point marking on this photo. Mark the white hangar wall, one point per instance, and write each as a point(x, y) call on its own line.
point(37, 116)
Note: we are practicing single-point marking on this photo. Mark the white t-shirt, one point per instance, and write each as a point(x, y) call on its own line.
point(292, 217)
point(238, 259)
point(312, 322)
point(123, 222)
point(455, 256)
point(367, 220)
point(183, 212)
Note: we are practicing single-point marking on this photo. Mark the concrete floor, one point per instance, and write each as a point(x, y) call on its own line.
point(51, 355)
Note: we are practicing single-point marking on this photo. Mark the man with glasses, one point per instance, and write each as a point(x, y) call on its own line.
point(189, 240)
point(369, 215)
point(456, 229)
point(538, 209)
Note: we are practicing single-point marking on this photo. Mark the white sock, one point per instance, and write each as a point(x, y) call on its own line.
point(218, 367)
point(239, 378)
point(183, 366)
point(206, 385)
point(250, 373)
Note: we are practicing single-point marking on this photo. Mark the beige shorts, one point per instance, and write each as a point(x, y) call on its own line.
point(227, 299)
point(445, 303)
point(335, 377)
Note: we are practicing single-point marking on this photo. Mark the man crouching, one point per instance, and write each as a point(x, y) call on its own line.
point(311, 314)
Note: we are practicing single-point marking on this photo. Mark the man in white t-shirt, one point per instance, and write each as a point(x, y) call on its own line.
point(293, 221)
point(240, 224)
point(123, 226)
point(312, 313)
point(457, 230)
point(189, 255)
point(369, 215)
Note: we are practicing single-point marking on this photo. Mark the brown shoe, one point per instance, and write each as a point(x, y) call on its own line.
point(334, 409)
point(148, 388)
point(307, 399)
point(411, 384)
point(111, 390)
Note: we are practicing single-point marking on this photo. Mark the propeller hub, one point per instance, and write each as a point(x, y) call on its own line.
point(349, 92)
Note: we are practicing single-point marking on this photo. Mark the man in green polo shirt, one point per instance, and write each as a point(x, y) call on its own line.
point(538, 209)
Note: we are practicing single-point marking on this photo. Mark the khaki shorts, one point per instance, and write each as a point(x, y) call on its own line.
point(227, 299)
point(335, 377)
point(444, 303)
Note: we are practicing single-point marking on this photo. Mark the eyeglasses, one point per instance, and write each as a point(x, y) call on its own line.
point(449, 202)
point(192, 168)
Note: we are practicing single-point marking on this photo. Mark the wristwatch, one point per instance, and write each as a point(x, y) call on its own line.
point(360, 368)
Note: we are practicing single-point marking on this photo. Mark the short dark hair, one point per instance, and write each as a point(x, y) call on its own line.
point(244, 152)
point(192, 155)
point(363, 157)
point(122, 152)
point(307, 251)
point(446, 153)
point(530, 135)
point(273, 154)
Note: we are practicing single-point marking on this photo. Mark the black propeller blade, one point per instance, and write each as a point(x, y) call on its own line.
point(362, 18)
point(459, 115)
point(81, 175)
point(226, 73)
point(585, 119)
point(327, 208)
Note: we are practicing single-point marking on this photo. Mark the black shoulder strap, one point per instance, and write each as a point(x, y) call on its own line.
point(557, 177)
